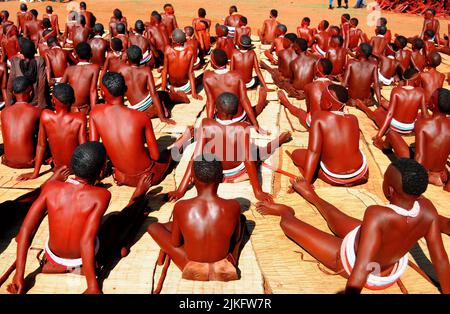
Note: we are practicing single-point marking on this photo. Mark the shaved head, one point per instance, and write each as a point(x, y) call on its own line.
point(179, 36)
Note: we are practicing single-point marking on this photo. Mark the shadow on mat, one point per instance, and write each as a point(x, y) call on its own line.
point(121, 230)
point(13, 213)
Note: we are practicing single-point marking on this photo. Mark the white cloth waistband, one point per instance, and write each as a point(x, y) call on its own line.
point(348, 258)
point(241, 118)
point(402, 127)
point(234, 171)
point(77, 262)
point(185, 88)
point(197, 62)
point(349, 175)
point(385, 80)
point(319, 50)
point(251, 83)
point(146, 57)
point(143, 104)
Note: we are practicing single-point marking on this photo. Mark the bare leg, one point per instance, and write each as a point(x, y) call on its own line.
point(298, 156)
point(262, 102)
point(162, 234)
point(178, 97)
point(398, 144)
point(338, 222)
point(165, 160)
point(298, 112)
point(321, 245)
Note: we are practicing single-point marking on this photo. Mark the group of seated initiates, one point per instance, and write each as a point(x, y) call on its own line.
point(85, 103)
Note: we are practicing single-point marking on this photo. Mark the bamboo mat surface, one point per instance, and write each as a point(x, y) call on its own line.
point(269, 262)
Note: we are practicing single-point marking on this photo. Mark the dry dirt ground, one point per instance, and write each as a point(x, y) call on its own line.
point(290, 12)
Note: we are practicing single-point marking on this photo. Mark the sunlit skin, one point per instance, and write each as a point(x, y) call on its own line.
point(75, 213)
point(214, 237)
point(56, 63)
point(128, 134)
point(361, 73)
point(20, 126)
point(338, 151)
point(374, 242)
point(32, 28)
point(244, 61)
point(169, 19)
point(267, 33)
point(232, 82)
point(140, 83)
point(178, 70)
point(433, 145)
point(62, 131)
point(83, 78)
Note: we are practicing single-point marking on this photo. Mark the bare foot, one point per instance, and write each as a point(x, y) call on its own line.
point(274, 209)
point(303, 188)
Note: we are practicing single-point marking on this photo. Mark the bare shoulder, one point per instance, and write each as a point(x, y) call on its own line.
point(233, 205)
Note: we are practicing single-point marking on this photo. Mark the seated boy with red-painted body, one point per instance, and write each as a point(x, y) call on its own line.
point(245, 61)
point(141, 91)
point(432, 146)
point(83, 78)
point(56, 62)
point(372, 253)
point(313, 94)
point(202, 27)
point(388, 66)
point(62, 131)
point(335, 157)
point(322, 39)
point(241, 30)
point(137, 37)
point(360, 75)
point(223, 41)
point(398, 118)
point(432, 79)
point(223, 80)
point(115, 58)
point(99, 45)
point(337, 54)
point(78, 241)
point(20, 127)
point(403, 55)
point(208, 248)
point(178, 70)
point(125, 133)
point(267, 33)
point(356, 36)
point(305, 32)
point(192, 41)
point(230, 142)
point(122, 34)
point(418, 59)
point(279, 44)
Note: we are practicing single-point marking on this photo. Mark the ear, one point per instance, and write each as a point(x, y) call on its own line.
point(390, 192)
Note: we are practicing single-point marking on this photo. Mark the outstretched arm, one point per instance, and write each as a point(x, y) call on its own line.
point(438, 255)
point(314, 150)
point(376, 84)
point(192, 79)
point(250, 167)
point(151, 140)
point(40, 153)
point(247, 105)
point(387, 121)
point(258, 71)
point(164, 72)
point(87, 244)
point(159, 108)
point(210, 109)
point(93, 87)
point(369, 245)
point(24, 240)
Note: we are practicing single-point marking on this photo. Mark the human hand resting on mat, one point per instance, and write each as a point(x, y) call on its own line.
point(17, 286)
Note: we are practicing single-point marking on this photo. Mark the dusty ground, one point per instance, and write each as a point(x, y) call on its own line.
point(290, 12)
